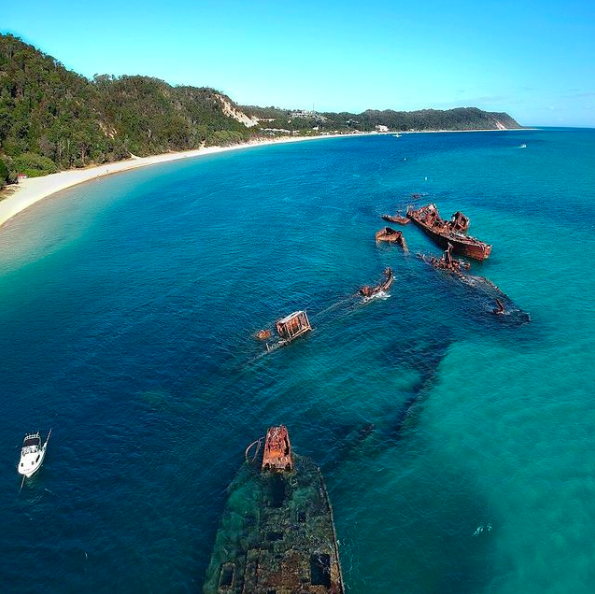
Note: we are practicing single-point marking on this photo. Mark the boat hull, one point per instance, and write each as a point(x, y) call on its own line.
point(29, 464)
point(395, 219)
point(391, 236)
point(462, 246)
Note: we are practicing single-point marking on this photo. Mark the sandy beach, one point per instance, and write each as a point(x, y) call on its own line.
point(30, 191)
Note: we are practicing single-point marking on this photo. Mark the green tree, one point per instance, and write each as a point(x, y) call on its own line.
point(3, 174)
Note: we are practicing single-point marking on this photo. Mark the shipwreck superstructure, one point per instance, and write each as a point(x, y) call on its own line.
point(277, 534)
point(292, 326)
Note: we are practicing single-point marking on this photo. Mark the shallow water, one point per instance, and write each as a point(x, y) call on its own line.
point(456, 447)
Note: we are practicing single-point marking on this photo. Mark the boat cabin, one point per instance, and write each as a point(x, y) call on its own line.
point(277, 455)
point(32, 454)
point(293, 325)
point(31, 444)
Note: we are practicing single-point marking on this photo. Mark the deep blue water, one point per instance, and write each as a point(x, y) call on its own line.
point(458, 448)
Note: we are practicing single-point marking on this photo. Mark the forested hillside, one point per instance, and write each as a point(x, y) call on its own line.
point(460, 118)
point(53, 119)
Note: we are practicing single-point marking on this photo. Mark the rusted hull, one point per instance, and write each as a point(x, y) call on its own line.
point(464, 247)
point(368, 291)
point(396, 219)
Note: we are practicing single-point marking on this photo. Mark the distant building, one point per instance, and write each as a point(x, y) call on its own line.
point(302, 113)
point(382, 128)
point(276, 130)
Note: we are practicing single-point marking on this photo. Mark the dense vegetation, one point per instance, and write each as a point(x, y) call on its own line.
point(52, 118)
point(461, 118)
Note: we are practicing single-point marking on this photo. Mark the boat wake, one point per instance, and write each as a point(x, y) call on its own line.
point(380, 295)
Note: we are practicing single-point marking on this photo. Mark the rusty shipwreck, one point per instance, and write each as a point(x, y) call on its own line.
point(366, 291)
point(391, 235)
point(277, 534)
point(454, 231)
point(397, 218)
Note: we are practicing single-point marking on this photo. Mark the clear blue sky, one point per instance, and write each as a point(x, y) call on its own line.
point(534, 59)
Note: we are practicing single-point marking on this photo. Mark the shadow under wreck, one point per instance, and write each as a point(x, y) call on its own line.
point(277, 534)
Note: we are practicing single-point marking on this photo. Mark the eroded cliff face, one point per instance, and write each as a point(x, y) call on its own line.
point(235, 113)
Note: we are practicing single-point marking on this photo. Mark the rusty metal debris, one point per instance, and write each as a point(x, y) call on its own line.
point(384, 285)
point(263, 334)
point(391, 235)
point(499, 309)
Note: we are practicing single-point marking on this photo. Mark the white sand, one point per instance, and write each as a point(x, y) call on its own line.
point(30, 191)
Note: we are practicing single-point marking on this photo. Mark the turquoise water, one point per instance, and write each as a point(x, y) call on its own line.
point(457, 447)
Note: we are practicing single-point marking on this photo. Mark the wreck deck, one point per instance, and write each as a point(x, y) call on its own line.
point(276, 536)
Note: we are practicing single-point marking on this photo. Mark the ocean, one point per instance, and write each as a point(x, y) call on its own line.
point(457, 446)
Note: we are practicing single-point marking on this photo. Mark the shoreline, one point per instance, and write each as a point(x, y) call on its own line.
point(30, 191)
point(463, 131)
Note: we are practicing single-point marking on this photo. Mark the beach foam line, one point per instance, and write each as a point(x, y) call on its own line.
point(31, 191)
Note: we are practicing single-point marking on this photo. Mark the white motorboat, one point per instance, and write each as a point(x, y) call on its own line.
point(32, 454)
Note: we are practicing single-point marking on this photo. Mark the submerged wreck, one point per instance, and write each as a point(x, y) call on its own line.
point(454, 231)
point(368, 292)
point(277, 534)
point(485, 289)
point(391, 235)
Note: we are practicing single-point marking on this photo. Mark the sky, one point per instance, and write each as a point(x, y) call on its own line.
point(534, 59)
